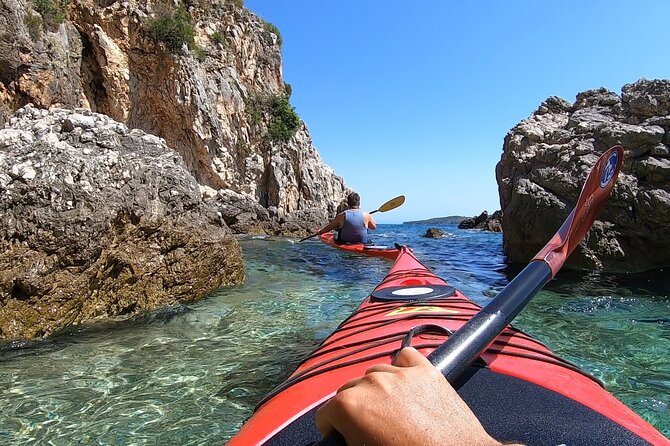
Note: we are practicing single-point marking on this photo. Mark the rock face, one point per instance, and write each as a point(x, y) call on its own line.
point(97, 220)
point(547, 157)
point(216, 100)
point(483, 222)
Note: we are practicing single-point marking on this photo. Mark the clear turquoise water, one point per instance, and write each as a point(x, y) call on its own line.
point(192, 375)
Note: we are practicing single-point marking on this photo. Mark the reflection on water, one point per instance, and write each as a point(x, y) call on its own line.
point(191, 375)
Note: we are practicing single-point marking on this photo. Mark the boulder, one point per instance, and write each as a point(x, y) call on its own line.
point(483, 222)
point(547, 157)
point(435, 233)
point(98, 221)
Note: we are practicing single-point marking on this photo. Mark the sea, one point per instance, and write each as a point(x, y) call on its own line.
point(192, 374)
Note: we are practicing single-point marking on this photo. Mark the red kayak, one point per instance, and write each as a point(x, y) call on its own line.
point(360, 248)
point(518, 388)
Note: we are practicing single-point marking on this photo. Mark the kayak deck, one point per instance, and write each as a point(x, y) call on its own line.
point(519, 389)
point(360, 248)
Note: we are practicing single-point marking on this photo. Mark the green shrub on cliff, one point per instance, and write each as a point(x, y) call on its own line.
point(283, 120)
point(255, 106)
point(218, 38)
point(173, 28)
point(269, 27)
point(52, 12)
point(33, 21)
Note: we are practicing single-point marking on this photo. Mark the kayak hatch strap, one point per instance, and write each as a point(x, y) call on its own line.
point(407, 340)
point(325, 367)
point(375, 310)
point(413, 273)
point(333, 364)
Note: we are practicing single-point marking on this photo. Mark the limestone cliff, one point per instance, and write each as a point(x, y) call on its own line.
point(204, 76)
point(546, 159)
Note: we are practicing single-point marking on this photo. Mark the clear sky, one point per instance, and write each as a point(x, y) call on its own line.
point(415, 98)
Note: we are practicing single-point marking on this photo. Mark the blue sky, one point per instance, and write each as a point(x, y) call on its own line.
point(415, 98)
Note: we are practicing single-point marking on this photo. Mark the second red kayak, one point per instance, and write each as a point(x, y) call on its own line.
point(360, 248)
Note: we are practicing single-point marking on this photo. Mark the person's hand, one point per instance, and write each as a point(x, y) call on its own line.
point(409, 403)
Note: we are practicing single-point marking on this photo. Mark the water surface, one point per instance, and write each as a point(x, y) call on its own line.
point(191, 375)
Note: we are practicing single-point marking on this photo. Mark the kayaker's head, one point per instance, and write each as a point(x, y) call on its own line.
point(353, 200)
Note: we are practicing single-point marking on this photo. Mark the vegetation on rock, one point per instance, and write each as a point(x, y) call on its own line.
point(218, 38)
point(284, 121)
point(52, 12)
point(269, 27)
point(174, 28)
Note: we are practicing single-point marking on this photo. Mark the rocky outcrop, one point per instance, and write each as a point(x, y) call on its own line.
point(435, 233)
point(547, 157)
point(99, 221)
point(483, 222)
point(244, 215)
point(218, 100)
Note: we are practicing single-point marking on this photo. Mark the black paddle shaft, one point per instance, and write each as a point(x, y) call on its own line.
point(468, 343)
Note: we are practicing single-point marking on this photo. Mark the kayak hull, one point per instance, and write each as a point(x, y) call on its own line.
point(360, 248)
point(417, 308)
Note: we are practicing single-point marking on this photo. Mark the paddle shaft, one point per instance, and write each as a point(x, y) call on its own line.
point(467, 344)
point(308, 237)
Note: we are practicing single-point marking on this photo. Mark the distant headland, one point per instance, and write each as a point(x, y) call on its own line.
point(451, 220)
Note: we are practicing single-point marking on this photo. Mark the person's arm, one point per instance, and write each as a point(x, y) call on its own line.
point(335, 223)
point(408, 404)
point(370, 222)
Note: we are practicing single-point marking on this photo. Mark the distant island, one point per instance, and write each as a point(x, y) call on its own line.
point(451, 220)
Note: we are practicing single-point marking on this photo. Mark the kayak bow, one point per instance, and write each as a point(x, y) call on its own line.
point(518, 388)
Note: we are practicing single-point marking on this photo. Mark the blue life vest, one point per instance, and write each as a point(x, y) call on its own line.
point(353, 230)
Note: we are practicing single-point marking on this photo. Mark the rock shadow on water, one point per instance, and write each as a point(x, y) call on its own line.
point(75, 334)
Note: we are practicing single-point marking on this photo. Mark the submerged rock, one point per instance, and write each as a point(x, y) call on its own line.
point(98, 221)
point(435, 233)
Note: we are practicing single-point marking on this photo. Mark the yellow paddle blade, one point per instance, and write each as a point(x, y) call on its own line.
point(392, 204)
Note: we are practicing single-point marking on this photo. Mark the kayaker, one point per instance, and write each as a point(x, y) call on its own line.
point(409, 403)
point(353, 223)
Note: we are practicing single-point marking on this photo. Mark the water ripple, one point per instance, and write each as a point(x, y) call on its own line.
point(190, 375)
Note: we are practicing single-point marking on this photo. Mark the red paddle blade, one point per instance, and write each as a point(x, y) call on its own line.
point(597, 188)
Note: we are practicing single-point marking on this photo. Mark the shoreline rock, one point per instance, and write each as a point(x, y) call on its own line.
point(483, 222)
point(99, 221)
point(546, 159)
point(435, 233)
